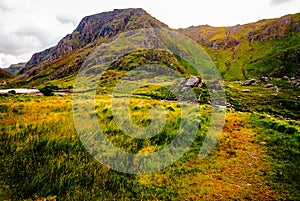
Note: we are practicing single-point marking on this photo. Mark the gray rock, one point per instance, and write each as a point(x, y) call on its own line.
point(268, 86)
point(246, 90)
point(285, 78)
point(249, 82)
point(194, 82)
point(293, 78)
point(264, 79)
point(295, 83)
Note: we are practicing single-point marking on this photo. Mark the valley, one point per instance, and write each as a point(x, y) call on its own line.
point(257, 155)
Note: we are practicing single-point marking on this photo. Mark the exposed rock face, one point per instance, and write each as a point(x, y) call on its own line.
point(90, 29)
point(223, 43)
point(273, 29)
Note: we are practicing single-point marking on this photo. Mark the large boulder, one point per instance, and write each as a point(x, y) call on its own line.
point(194, 82)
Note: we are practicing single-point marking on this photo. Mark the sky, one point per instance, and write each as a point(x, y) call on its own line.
point(30, 26)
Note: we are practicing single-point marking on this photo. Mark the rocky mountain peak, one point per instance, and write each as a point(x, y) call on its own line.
point(91, 28)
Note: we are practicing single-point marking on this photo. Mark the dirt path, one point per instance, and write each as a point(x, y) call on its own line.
point(234, 171)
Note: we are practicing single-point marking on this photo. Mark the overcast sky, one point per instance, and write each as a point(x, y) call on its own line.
point(29, 26)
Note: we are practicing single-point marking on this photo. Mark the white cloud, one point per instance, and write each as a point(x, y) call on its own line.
point(7, 59)
point(277, 2)
point(66, 20)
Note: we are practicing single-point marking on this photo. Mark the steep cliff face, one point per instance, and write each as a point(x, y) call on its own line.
point(91, 29)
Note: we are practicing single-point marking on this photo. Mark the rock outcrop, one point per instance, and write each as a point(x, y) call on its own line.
point(90, 30)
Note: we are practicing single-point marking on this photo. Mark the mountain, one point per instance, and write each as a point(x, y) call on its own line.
point(15, 68)
point(67, 56)
point(264, 48)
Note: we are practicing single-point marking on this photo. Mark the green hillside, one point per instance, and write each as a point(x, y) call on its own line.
point(265, 48)
point(5, 74)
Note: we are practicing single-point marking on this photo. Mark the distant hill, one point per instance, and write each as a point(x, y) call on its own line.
point(5, 74)
point(264, 48)
point(15, 68)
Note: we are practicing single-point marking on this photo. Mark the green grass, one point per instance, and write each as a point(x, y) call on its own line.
point(281, 141)
point(284, 103)
point(42, 157)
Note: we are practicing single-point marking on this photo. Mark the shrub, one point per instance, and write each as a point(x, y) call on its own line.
point(47, 90)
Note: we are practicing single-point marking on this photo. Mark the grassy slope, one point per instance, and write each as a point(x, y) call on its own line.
point(41, 156)
point(256, 59)
point(5, 74)
point(252, 59)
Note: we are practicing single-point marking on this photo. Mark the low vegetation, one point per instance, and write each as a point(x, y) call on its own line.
point(42, 157)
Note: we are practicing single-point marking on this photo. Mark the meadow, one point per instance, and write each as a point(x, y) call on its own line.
point(42, 157)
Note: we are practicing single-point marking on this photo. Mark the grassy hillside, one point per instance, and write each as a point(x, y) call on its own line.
point(5, 75)
point(265, 48)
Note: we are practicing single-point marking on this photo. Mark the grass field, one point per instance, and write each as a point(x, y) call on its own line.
point(257, 157)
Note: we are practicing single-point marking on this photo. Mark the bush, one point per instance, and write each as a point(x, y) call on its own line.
point(47, 90)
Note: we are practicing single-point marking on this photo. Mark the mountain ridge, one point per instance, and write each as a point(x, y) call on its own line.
point(228, 46)
point(92, 28)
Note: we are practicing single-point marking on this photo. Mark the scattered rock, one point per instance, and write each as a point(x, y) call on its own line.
point(268, 86)
point(293, 78)
point(246, 90)
point(228, 105)
point(285, 77)
point(264, 79)
point(295, 83)
point(249, 82)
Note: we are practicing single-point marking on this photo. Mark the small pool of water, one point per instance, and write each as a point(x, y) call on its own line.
point(19, 91)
